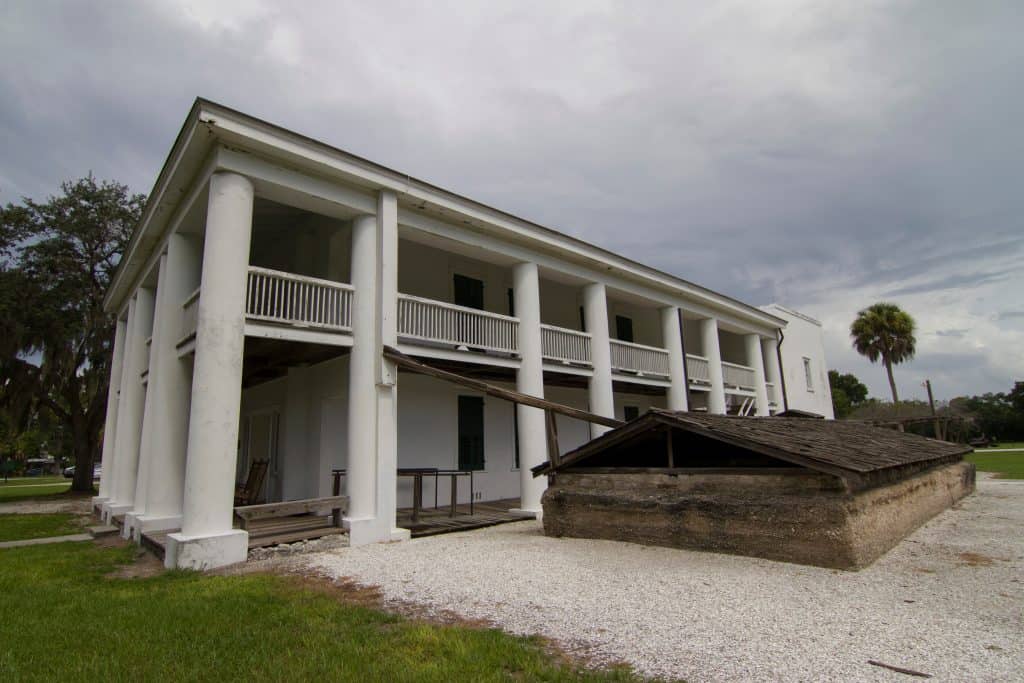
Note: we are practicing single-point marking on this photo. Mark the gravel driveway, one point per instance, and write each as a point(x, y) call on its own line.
point(947, 601)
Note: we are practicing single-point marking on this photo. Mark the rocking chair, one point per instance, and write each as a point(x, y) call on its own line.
point(247, 493)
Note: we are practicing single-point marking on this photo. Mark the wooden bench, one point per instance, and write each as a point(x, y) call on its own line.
point(292, 520)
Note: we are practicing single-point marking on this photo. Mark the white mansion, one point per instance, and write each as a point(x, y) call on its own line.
point(269, 271)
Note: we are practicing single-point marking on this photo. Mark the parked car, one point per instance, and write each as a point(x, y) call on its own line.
point(69, 472)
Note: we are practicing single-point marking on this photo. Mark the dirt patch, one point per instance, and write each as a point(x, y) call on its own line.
point(76, 503)
point(976, 559)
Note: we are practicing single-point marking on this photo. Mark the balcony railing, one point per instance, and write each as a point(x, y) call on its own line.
point(279, 297)
point(565, 346)
point(640, 359)
point(189, 316)
point(773, 397)
point(739, 376)
point(698, 369)
point(427, 320)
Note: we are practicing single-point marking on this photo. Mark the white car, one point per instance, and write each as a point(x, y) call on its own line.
point(69, 472)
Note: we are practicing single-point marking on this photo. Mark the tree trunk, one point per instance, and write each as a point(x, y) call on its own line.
point(892, 387)
point(85, 455)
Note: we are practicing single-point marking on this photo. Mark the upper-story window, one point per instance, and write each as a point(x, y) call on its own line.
point(808, 375)
point(623, 328)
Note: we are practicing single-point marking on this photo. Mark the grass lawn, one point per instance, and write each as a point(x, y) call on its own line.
point(22, 481)
point(188, 626)
point(19, 527)
point(19, 491)
point(1008, 465)
point(1006, 444)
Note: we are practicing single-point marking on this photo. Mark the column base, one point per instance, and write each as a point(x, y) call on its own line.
point(146, 523)
point(109, 510)
point(128, 528)
point(206, 552)
point(98, 502)
point(526, 514)
point(366, 530)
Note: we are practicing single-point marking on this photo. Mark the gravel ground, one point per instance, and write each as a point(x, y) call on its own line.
point(947, 601)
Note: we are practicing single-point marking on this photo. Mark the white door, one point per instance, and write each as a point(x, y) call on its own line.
point(261, 432)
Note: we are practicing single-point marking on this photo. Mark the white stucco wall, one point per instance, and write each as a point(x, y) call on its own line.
point(804, 339)
point(311, 405)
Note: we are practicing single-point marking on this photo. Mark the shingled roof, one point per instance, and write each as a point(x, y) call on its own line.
point(853, 450)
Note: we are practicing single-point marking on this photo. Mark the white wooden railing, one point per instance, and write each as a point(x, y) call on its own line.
point(428, 320)
point(736, 375)
point(280, 297)
point(564, 345)
point(773, 398)
point(190, 315)
point(645, 360)
point(698, 369)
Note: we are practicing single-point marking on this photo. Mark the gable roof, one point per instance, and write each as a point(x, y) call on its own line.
point(855, 451)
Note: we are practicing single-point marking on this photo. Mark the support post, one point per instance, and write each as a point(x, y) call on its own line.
point(772, 372)
point(129, 433)
point(207, 538)
point(755, 359)
point(712, 351)
point(170, 384)
point(672, 338)
point(529, 380)
point(602, 393)
point(110, 425)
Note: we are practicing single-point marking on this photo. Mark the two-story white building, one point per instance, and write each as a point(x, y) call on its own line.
point(269, 271)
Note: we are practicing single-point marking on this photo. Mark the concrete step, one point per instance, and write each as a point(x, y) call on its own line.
point(103, 530)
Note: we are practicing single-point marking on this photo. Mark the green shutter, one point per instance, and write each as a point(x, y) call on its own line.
point(471, 433)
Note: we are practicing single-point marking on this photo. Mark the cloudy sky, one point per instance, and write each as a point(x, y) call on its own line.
point(824, 155)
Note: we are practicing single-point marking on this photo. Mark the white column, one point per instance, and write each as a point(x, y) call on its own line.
point(170, 384)
point(207, 538)
point(752, 343)
point(530, 380)
point(387, 371)
point(110, 425)
point(602, 393)
point(131, 406)
point(122, 423)
point(672, 338)
point(146, 439)
point(371, 481)
point(772, 371)
point(361, 475)
point(709, 344)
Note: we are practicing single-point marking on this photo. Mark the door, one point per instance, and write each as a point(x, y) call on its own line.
point(469, 292)
point(471, 432)
point(262, 445)
point(623, 328)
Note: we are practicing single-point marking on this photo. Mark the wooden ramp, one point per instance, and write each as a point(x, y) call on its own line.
point(440, 521)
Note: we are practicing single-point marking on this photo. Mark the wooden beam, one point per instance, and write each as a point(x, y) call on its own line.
point(552, 432)
point(413, 365)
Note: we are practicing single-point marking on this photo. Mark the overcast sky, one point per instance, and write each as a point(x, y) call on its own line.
point(823, 155)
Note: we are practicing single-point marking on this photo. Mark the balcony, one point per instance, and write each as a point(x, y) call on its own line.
point(640, 360)
point(277, 297)
point(698, 369)
point(437, 323)
point(738, 377)
point(568, 347)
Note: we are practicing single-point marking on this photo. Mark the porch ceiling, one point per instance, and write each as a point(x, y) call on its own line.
point(268, 359)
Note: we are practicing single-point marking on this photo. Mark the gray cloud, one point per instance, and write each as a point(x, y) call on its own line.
point(822, 155)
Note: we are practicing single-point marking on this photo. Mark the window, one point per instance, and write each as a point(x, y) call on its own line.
point(471, 433)
point(623, 328)
point(630, 412)
point(808, 375)
point(469, 292)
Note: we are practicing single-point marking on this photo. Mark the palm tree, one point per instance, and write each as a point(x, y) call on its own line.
point(885, 331)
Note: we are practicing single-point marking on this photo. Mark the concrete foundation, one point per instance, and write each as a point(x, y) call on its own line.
point(206, 552)
point(793, 515)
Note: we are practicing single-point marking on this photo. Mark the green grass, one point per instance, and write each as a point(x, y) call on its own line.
point(19, 527)
point(1008, 465)
point(21, 491)
point(22, 481)
point(1006, 444)
point(189, 626)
